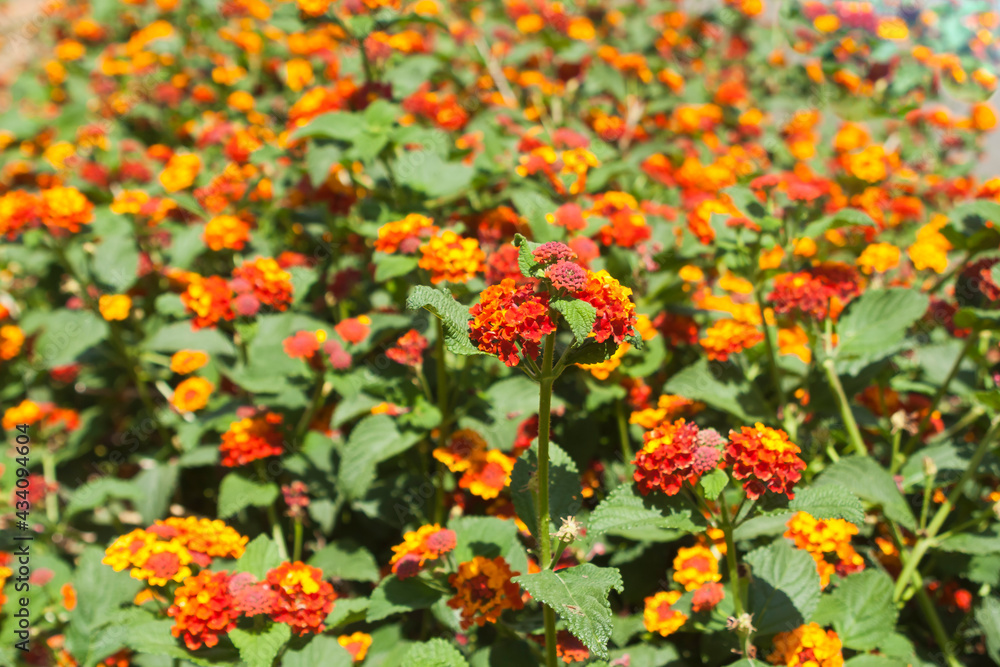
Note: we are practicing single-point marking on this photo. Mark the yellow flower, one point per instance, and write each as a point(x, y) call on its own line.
point(180, 172)
point(192, 394)
point(695, 566)
point(658, 615)
point(807, 646)
point(187, 361)
point(115, 306)
point(879, 257)
point(11, 340)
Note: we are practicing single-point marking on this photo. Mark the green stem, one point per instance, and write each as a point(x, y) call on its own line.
point(310, 412)
point(731, 562)
point(277, 533)
point(772, 358)
point(913, 561)
point(442, 404)
point(545, 380)
point(926, 503)
point(853, 433)
point(911, 443)
point(623, 438)
point(297, 546)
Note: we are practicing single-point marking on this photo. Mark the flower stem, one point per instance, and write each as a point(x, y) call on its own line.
point(929, 539)
point(623, 432)
point(731, 562)
point(51, 499)
point(442, 404)
point(277, 533)
point(853, 433)
point(545, 380)
point(297, 546)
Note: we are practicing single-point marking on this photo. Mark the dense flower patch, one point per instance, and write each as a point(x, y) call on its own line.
point(438, 333)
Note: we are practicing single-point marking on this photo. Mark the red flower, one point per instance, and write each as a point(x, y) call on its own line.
point(667, 458)
point(203, 609)
point(252, 438)
point(765, 458)
point(615, 310)
point(302, 599)
point(409, 349)
point(266, 280)
point(817, 292)
point(210, 300)
point(508, 316)
point(707, 596)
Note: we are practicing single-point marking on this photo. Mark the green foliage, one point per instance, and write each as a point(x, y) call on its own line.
point(870, 482)
point(260, 556)
point(875, 326)
point(860, 609)
point(236, 493)
point(784, 589)
point(374, 439)
point(829, 502)
point(453, 315)
point(624, 510)
point(580, 596)
point(435, 653)
point(394, 596)
point(259, 648)
point(565, 499)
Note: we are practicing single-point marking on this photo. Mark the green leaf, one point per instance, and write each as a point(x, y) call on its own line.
point(260, 556)
point(713, 483)
point(453, 315)
point(623, 510)
point(320, 160)
point(580, 596)
point(259, 648)
point(373, 440)
point(426, 172)
point(829, 502)
point(180, 336)
point(394, 596)
point(730, 394)
point(746, 201)
point(784, 587)
point(116, 259)
point(100, 593)
point(592, 352)
point(99, 492)
point(526, 258)
point(435, 653)
point(977, 318)
point(388, 267)
point(565, 499)
point(972, 544)
point(237, 492)
point(875, 326)
point(157, 484)
point(67, 335)
point(345, 560)
point(988, 618)
point(534, 206)
point(579, 315)
point(489, 537)
point(874, 660)
point(346, 611)
point(860, 609)
point(339, 125)
point(321, 650)
point(870, 482)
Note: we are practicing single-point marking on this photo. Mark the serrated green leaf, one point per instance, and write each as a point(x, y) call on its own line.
point(435, 653)
point(260, 556)
point(395, 596)
point(875, 325)
point(730, 394)
point(623, 510)
point(346, 611)
point(345, 560)
point(969, 543)
point(565, 499)
point(237, 492)
point(526, 259)
point(373, 440)
point(860, 609)
point(260, 648)
point(829, 502)
point(579, 315)
point(453, 315)
point(489, 537)
point(592, 352)
point(388, 267)
point(784, 587)
point(713, 483)
point(870, 482)
point(580, 596)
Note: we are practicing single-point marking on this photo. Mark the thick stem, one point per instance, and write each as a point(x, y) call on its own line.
point(544, 538)
point(731, 562)
point(853, 433)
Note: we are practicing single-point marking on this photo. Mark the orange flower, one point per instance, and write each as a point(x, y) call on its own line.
point(180, 172)
point(879, 257)
point(17, 209)
point(298, 73)
point(405, 235)
point(707, 597)
point(192, 394)
point(672, 454)
point(822, 537)
point(303, 599)
point(484, 590)
point(203, 609)
point(727, 337)
point(667, 407)
point(226, 231)
point(449, 257)
point(408, 351)
point(354, 329)
point(356, 644)
point(807, 646)
point(463, 445)
point(114, 306)
point(129, 201)
point(210, 300)
point(488, 474)
point(509, 320)
point(209, 538)
point(304, 344)
point(426, 543)
point(26, 412)
point(765, 458)
point(68, 594)
point(11, 341)
point(659, 616)
point(695, 566)
point(265, 280)
point(616, 318)
point(817, 292)
point(187, 361)
point(252, 438)
point(65, 209)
